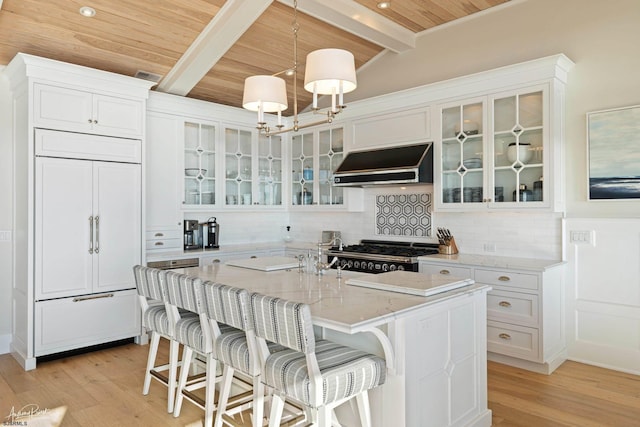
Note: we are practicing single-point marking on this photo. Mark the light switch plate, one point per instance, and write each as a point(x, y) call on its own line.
point(5, 235)
point(582, 237)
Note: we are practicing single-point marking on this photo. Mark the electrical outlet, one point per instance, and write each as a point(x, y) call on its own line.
point(490, 247)
point(5, 236)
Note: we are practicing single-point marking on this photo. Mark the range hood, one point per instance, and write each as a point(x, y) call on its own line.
point(409, 164)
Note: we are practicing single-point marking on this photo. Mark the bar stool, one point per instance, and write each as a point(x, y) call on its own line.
point(236, 350)
point(318, 374)
point(193, 332)
point(151, 288)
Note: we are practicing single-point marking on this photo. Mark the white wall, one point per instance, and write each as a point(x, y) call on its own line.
point(6, 217)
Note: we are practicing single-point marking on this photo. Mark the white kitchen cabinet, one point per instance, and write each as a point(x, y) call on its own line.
point(87, 223)
point(64, 108)
point(315, 155)
point(495, 150)
point(198, 175)
point(253, 168)
point(78, 188)
point(163, 188)
point(525, 324)
point(407, 126)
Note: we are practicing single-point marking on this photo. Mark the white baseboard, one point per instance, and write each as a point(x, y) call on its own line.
point(5, 343)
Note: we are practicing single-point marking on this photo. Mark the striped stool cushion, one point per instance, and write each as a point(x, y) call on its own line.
point(232, 349)
point(345, 372)
point(155, 318)
point(189, 332)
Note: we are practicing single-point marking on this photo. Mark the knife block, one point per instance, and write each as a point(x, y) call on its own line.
point(450, 248)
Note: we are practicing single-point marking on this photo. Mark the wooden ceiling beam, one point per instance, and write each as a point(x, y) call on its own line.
point(360, 21)
point(233, 19)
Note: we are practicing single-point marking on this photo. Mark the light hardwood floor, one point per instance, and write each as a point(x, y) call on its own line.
point(104, 388)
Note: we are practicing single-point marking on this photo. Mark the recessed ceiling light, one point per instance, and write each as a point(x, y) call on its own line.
point(87, 11)
point(384, 4)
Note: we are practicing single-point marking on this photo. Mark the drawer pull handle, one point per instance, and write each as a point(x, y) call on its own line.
point(445, 272)
point(504, 304)
point(505, 336)
point(80, 299)
point(253, 256)
point(504, 278)
point(159, 234)
point(215, 261)
point(159, 244)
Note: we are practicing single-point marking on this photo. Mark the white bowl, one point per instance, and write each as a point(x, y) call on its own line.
point(524, 152)
point(194, 171)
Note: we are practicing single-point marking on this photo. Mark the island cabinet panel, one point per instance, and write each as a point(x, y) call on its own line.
point(446, 355)
point(525, 326)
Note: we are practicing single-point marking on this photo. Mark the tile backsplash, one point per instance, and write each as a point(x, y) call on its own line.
point(407, 215)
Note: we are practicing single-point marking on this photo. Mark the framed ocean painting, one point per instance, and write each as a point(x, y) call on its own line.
point(614, 153)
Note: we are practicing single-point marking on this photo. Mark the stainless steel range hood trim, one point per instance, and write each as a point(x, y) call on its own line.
point(413, 172)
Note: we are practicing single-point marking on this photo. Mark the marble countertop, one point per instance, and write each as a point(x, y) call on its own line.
point(227, 249)
point(529, 264)
point(334, 304)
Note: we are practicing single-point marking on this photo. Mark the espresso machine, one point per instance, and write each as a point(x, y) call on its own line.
point(213, 233)
point(192, 234)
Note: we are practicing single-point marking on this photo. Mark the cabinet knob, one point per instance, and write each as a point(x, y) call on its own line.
point(504, 304)
point(95, 122)
point(504, 336)
point(445, 272)
point(504, 278)
point(90, 121)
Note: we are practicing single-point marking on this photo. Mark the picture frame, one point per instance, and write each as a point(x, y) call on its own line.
point(613, 140)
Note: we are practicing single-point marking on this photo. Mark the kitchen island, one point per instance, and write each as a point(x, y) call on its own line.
point(435, 346)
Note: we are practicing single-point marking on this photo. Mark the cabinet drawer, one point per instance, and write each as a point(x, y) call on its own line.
point(513, 340)
point(158, 244)
point(507, 278)
point(513, 307)
point(70, 323)
point(446, 270)
point(163, 234)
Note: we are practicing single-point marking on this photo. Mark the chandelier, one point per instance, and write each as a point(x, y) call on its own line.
point(327, 72)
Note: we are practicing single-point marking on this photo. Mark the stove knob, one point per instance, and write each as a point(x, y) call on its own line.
point(393, 267)
point(370, 266)
point(349, 264)
point(356, 264)
point(400, 268)
point(385, 267)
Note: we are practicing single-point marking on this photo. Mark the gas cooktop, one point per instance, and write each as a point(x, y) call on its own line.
point(378, 256)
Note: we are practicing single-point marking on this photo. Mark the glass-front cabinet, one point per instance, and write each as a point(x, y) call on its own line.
point(494, 152)
point(269, 188)
point(463, 152)
point(315, 155)
point(199, 164)
point(253, 168)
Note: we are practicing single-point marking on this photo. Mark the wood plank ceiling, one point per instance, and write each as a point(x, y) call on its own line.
point(205, 49)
